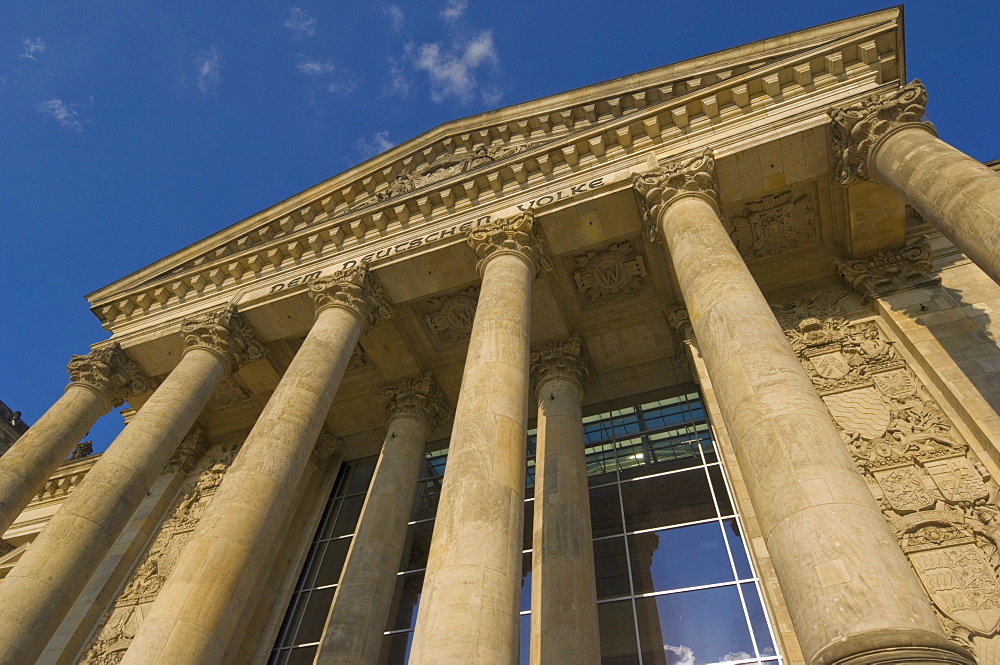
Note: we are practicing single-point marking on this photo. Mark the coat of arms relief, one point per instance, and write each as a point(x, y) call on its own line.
point(937, 496)
point(112, 639)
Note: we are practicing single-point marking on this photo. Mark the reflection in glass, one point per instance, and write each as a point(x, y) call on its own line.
point(611, 566)
point(524, 655)
point(737, 547)
point(758, 621)
point(347, 520)
point(405, 601)
point(417, 545)
point(680, 557)
point(314, 615)
point(605, 511)
point(526, 582)
point(703, 626)
point(529, 525)
point(617, 630)
point(721, 493)
point(327, 569)
point(674, 498)
point(302, 655)
point(426, 502)
point(364, 468)
point(395, 649)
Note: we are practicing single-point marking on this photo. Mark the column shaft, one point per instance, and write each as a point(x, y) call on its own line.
point(357, 619)
point(38, 453)
point(43, 585)
point(954, 192)
point(198, 609)
point(851, 593)
point(469, 604)
point(563, 592)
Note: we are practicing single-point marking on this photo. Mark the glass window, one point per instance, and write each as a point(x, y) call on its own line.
point(674, 581)
point(681, 557)
point(674, 498)
point(616, 623)
point(702, 626)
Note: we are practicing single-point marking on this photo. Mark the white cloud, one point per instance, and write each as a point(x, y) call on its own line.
point(369, 146)
point(452, 73)
point(399, 83)
point(684, 655)
point(453, 9)
point(314, 67)
point(209, 69)
point(395, 15)
point(300, 23)
point(736, 656)
point(67, 116)
point(32, 47)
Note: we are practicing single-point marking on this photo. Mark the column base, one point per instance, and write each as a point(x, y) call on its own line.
point(891, 648)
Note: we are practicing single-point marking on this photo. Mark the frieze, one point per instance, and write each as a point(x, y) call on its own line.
point(936, 495)
point(617, 270)
point(774, 224)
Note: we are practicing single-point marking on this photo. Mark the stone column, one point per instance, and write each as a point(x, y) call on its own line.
point(38, 592)
point(563, 587)
point(353, 634)
point(197, 612)
point(852, 596)
point(469, 604)
point(102, 379)
point(882, 138)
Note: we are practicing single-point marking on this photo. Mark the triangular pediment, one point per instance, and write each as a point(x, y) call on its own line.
point(471, 161)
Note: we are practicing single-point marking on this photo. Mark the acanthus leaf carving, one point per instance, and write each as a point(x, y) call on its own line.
point(657, 189)
point(355, 289)
point(858, 127)
point(224, 332)
point(111, 372)
point(417, 398)
point(513, 235)
point(561, 359)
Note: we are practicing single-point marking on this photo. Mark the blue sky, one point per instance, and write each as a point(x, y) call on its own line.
point(129, 130)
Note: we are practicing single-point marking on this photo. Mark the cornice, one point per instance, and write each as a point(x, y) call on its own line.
point(318, 222)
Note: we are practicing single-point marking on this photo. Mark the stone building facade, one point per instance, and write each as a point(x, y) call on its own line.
point(694, 366)
point(11, 427)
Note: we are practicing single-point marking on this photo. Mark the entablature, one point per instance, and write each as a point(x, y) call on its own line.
point(726, 104)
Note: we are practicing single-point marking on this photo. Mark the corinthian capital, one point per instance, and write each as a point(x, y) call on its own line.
point(354, 289)
point(223, 332)
point(110, 372)
point(859, 127)
point(561, 359)
point(418, 398)
point(658, 189)
point(513, 235)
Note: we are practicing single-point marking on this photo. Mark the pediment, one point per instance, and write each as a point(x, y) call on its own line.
point(472, 161)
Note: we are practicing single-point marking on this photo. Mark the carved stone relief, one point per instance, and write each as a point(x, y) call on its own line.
point(442, 167)
point(449, 318)
point(776, 223)
point(230, 391)
point(114, 637)
point(614, 271)
point(937, 497)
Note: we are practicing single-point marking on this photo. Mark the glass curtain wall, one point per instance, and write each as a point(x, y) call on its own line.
point(674, 582)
